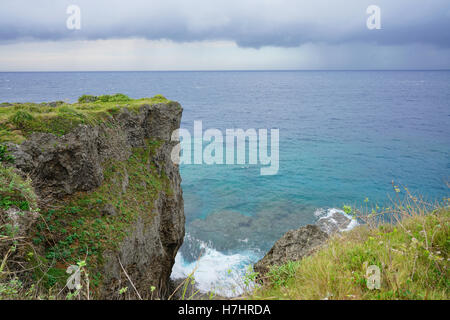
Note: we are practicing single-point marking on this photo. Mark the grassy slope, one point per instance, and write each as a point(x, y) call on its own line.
point(19, 120)
point(412, 255)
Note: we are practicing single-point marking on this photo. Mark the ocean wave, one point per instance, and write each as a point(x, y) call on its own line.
point(222, 273)
point(215, 271)
point(333, 220)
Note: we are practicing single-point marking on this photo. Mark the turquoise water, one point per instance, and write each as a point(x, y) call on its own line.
point(344, 136)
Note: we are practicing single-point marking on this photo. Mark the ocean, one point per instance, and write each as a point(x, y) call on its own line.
point(344, 137)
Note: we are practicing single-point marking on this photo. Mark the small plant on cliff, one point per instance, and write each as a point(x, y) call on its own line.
point(75, 282)
point(4, 155)
point(123, 290)
point(279, 275)
point(14, 190)
point(347, 209)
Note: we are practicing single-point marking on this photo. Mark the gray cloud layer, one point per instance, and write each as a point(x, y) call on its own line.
point(250, 23)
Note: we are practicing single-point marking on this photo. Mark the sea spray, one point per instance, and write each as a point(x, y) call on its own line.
point(334, 220)
point(224, 273)
point(215, 271)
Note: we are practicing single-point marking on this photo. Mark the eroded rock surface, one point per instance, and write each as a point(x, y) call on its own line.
point(333, 221)
point(297, 244)
point(62, 168)
point(293, 246)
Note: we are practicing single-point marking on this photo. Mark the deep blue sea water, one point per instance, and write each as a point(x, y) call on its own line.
point(344, 136)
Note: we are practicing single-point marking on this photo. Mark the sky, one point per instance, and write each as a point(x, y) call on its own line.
point(222, 35)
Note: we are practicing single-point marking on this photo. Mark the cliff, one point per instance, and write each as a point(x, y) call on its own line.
point(109, 196)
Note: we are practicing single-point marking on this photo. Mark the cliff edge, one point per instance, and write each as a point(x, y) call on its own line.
point(108, 195)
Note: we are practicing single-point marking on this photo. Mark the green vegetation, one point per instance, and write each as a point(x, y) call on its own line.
point(80, 228)
point(86, 98)
point(15, 190)
point(412, 255)
point(19, 120)
point(5, 157)
point(77, 228)
point(119, 97)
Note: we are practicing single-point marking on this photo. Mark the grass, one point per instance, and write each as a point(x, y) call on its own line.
point(16, 190)
point(412, 253)
point(19, 120)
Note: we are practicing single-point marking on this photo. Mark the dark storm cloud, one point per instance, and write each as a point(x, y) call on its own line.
point(250, 23)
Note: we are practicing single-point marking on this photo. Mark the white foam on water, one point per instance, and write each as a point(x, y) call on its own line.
point(223, 274)
point(216, 272)
point(322, 213)
point(353, 223)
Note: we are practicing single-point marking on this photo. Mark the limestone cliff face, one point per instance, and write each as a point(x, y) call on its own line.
point(110, 192)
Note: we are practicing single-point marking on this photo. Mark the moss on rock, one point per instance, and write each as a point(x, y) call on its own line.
point(77, 228)
point(19, 120)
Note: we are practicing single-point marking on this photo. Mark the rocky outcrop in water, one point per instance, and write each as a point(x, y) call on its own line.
point(293, 246)
point(297, 244)
point(334, 220)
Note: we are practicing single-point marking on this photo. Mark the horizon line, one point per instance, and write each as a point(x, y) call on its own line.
point(222, 70)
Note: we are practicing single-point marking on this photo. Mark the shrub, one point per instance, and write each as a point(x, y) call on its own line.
point(119, 97)
point(71, 112)
point(20, 118)
point(86, 98)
